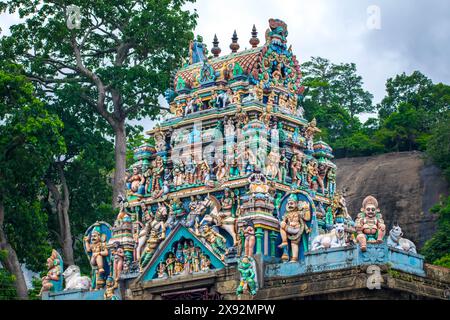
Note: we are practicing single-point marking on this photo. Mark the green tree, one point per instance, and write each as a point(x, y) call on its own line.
point(88, 158)
point(118, 61)
point(334, 96)
point(7, 288)
point(438, 147)
point(29, 139)
point(349, 92)
point(436, 250)
point(413, 89)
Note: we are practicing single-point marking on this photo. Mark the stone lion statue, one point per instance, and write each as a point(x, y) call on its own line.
point(73, 279)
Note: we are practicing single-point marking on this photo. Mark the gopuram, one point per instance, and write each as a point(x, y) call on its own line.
point(236, 198)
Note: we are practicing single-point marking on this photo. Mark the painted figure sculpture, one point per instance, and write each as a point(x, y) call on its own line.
point(96, 246)
point(292, 228)
point(369, 223)
point(247, 282)
point(53, 276)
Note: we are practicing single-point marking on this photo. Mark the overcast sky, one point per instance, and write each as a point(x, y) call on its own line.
point(412, 34)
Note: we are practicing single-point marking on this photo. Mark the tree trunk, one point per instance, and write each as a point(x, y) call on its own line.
point(11, 262)
point(120, 148)
point(66, 232)
point(62, 204)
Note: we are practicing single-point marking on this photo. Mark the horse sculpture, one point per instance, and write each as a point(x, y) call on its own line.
point(223, 220)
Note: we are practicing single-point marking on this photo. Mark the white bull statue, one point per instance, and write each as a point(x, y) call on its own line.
point(74, 280)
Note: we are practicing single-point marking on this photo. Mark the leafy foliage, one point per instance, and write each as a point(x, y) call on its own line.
point(436, 250)
point(7, 289)
point(29, 138)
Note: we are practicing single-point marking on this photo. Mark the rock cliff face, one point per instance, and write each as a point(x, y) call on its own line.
point(405, 185)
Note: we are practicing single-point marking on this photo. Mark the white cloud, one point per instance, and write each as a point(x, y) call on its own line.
point(412, 37)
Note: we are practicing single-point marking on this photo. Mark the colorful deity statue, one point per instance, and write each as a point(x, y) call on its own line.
point(369, 223)
point(331, 181)
point(235, 162)
point(195, 259)
point(283, 165)
point(248, 161)
point(197, 103)
point(227, 203)
point(296, 169)
point(156, 185)
point(189, 106)
point(52, 281)
point(135, 182)
point(229, 131)
point(178, 267)
point(266, 116)
point(152, 245)
point(273, 165)
point(191, 169)
point(321, 174)
point(203, 173)
point(110, 289)
point(212, 103)
point(224, 99)
point(310, 131)
point(259, 91)
point(216, 240)
point(178, 175)
point(204, 262)
point(293, 226)
point(251, 94)
point(247, 282)
point(236, 98)
point(162, 270)
point(178, 109)
point(220, 170)
point(159, 222)
point(186, 257)
point(170, 264)
point(119, 258)
point(176, 212)
point(277, 203)
point(313, 174)
point(241, 117)
point(96, 247)
point(249, 236)
point(160, 139)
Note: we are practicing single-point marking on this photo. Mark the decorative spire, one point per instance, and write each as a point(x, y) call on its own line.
point(254, 41)
point(234, 46)
point(215, 49)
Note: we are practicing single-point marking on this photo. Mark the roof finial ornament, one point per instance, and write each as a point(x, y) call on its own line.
point(234, 46)
point(215, 49)
point(254, 41)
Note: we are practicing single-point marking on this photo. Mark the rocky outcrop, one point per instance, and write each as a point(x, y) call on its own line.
point(404, 183)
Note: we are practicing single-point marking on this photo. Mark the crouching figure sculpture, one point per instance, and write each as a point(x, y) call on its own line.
point(333, 239)
point(74, 281)
point(369, 223)
point(395, 240)
point(247, 282)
